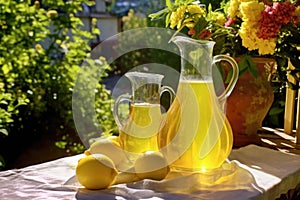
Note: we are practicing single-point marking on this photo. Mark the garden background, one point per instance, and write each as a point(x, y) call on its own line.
point(43, 44)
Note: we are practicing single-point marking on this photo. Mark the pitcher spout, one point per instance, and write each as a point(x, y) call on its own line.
point(181, 41)
point(196, 57)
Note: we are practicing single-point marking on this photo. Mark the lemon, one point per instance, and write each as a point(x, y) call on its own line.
point(151, 165)
point(96, 171)
point(110, 147)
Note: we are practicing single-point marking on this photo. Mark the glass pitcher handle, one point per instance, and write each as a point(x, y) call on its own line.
point(123, 97)
point(234, 78)
point(170, 91)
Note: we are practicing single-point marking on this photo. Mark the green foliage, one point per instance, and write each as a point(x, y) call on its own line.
point(2, 163)
point(214, 3)
point(92, 101)
point(275, 116)
point(142, 56)
point(38, 63)
point(246, 64)
point(229, 41)
point(134, 58)
point(288, 49)
point(9, 107)
point(42, 47)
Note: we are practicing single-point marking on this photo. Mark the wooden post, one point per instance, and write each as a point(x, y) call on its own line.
point(298, 120)
point(289, 113)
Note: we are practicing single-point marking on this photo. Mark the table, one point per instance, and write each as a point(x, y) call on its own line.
point(251, 172)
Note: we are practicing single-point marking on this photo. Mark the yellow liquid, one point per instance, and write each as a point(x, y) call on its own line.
point(196, 133)
point(140, 131)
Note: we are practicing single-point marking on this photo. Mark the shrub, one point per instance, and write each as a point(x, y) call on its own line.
point(42, 47)
point(138, 57)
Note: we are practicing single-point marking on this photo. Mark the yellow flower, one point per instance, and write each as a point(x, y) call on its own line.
point(130, 13)
point(177, 17)
point(251, 11)
point(39, 47)
point(125, 19)
point(190, 23)
point(248, 35)
point(251, 41)
point(37, 4)
point(186, 15)
point(52, 14)
point(233, 8)
point(129, 16)
point(218, 17)
point(195, 9)
point(297, 12)
point(266, 47)
point(94, 21)
point(251, 14)
point(58, 42)
point(2, 85)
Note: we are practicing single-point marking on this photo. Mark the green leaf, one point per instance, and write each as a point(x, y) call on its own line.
point(168, 19)
point(295, 33)
point(169, 4)
point(201, 25)
point(186, 2)
point(2, 163)
point(3, 102)
point(276, 111)
point(252, 67)
point(159, 14)
point(4, 131)
point(243, 66)
point(61, 144)
point(295, 59)
point(246, 64)
point(229, 75)
point(5, 69)
point(209, 8)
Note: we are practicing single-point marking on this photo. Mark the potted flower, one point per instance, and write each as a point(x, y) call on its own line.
point(263, 36)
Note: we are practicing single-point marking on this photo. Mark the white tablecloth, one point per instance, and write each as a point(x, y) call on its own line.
point(252, 172)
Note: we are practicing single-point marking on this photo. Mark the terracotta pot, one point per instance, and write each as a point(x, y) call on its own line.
point(249, 103)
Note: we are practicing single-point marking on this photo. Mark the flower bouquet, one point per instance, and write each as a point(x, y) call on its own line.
point(259, 35)
point(242, 28)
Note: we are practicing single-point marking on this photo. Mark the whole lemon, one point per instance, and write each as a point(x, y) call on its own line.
point(110, 147)
point(96, 171)
point(151, 165)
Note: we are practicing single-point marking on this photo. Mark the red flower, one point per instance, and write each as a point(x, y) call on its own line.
point(229, 22)
point(274, 17)
point(191, 32)
point(268, 3)
point(205, 34)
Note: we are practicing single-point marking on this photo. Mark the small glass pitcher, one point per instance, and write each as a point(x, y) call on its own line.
point(139, 132)
point(196, 135)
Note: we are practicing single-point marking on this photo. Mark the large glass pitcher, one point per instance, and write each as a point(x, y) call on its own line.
point(139, 131)
point(196, 135)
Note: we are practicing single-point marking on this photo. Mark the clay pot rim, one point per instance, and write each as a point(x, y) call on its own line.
point(257, 59)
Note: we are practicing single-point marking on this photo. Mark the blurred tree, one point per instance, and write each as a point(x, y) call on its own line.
point(42, 45)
